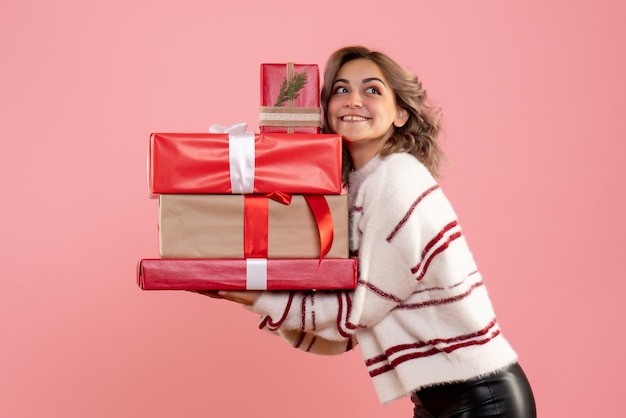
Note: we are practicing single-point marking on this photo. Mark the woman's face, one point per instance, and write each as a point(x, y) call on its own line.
point(362, 107)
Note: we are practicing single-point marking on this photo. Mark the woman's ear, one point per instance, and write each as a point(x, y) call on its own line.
point(401, 118)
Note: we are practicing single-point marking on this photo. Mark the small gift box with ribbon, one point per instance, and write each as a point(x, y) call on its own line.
point(290, 98)
point(238, 226)
point(246, 274)
point(238, 162)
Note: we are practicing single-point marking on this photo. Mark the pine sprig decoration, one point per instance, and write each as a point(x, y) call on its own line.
point(289, 89)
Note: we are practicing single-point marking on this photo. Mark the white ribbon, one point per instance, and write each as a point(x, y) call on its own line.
point(290, 117)
point(256, 273)
point(240, 156)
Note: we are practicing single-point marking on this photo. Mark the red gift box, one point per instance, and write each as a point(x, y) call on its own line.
point(246, 274)
point(290, 98)
point(252, 163)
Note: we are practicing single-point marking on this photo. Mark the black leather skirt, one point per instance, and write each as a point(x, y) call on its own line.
point(505, 393)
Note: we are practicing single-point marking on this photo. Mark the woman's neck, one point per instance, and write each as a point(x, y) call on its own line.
point(362, 153)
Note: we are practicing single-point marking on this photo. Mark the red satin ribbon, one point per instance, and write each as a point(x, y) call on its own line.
point(256, 222)
point(280, 197)
point(255, 226)
point(324, 221)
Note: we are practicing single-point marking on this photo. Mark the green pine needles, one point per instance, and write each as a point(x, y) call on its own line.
point(289, 89)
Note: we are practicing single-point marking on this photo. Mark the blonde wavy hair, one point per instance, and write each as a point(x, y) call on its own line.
point(418, 136)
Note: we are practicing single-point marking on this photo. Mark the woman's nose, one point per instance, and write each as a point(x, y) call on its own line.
point(353, 100)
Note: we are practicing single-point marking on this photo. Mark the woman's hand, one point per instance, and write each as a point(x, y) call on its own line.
point(244, 297)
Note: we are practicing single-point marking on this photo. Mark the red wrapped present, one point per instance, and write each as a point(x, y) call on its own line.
point(290, 98)
point(246, 274)
point(244, 163)
point(219, 226)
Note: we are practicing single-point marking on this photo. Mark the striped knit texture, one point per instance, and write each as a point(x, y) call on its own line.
point(420, 313)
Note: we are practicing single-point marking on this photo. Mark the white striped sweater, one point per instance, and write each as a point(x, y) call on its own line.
point(420, 313)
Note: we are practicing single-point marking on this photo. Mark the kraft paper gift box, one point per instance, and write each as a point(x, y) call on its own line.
point(247, 274)
point(248, 163)
point(216, 226)
point(290, 98)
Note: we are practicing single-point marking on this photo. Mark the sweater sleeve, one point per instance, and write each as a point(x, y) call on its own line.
point(313, 321)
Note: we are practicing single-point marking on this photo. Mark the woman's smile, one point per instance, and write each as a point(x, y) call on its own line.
point(354, 118)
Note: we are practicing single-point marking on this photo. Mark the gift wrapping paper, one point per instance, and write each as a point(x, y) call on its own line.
point(212, 226)
point(278, 113)
point(247, 274)
point(251, 163)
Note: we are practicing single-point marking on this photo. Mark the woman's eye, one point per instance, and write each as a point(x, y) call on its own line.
point(372, 90)
point(341, 90)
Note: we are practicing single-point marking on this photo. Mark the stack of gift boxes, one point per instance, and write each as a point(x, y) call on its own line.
point(241, 210)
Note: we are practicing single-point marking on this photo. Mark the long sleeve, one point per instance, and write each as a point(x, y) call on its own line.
point(420, 312)
point(312, 321)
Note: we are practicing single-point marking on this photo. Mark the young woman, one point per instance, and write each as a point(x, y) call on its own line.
point(420, 313)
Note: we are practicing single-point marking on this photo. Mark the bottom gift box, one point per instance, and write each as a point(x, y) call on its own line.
point(247, 274)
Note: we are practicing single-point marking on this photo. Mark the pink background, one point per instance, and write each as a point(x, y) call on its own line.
point(533, 97)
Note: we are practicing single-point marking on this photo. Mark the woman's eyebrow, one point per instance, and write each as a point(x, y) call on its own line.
point(365, 80)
